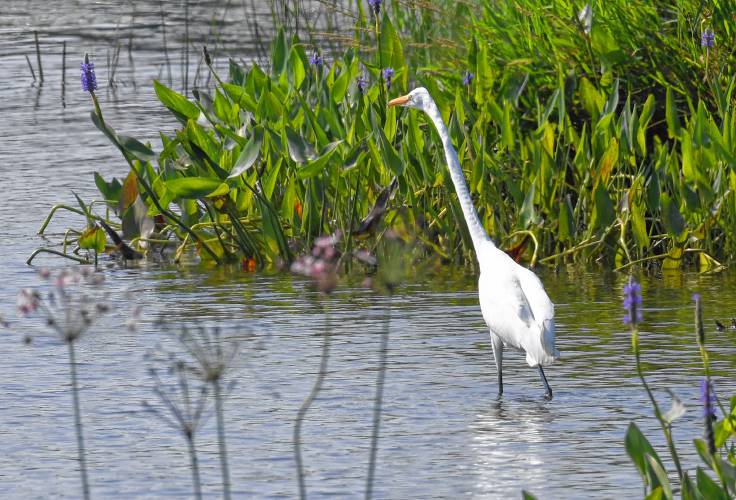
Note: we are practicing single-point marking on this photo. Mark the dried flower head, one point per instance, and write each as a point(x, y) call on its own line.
point(707, 38)
point(388, 74)
point(633, 303)
point(72, 305)
point(89, 80)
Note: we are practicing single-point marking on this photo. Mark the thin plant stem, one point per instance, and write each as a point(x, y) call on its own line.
point(306, 405)
point(78, 421)
point(666, 429)
point(195, 466)
point(383, 356)
point(221, 440)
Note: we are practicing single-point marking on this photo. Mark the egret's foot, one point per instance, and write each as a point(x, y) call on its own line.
point(499, 396)
point(548, 395)
point(547, 388)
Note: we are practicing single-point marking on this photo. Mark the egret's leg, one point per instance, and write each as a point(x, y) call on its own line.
point(497, 344)
point(547, 388)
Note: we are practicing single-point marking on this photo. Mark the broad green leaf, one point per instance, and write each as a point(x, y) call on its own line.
point(656, 467)
point(196, 187)
point(299, 149)
point(93, 238)
point(566, 230)
point(638, 447)
point(240, 96)
point(603, 213)
point(136, 148)
point(316, 166)
point(389, 155)
point(278, 54)
point(709, 488)
point(527, 215)
point(182, 108)
point(109, 190)
point(249, 154)
point(672, 219)
point(673, 120)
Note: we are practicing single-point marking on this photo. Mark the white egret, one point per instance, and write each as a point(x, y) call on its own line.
point(515, 306)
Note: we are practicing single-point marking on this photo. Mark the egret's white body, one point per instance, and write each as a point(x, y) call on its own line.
point(515, 306)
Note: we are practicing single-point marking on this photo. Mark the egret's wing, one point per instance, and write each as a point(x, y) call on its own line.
point(542, 308)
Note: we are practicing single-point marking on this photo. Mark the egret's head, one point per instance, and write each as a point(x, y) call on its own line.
point(418, 98)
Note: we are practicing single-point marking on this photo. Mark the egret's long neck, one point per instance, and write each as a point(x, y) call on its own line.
point(477, 233)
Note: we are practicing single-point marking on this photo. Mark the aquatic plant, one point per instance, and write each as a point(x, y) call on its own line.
point(711, 449)
point(184, 407)
point(70, 308)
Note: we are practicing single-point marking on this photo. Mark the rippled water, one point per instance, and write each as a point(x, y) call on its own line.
point(443, 434)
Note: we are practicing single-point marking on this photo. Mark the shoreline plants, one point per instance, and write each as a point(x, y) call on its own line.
point(582, 142)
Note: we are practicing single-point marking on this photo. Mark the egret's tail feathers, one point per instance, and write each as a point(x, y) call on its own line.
point(544, 351)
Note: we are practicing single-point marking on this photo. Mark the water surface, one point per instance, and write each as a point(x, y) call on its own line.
point(443, 433)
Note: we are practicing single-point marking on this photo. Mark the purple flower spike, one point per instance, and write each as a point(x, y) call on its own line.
point(708, 398)
point(89, 80)
point(316, 60)
point(708, 38)
point(388, 74)
point(375, 6)
point(362, 83)
point(633, 303)
point(468, 78)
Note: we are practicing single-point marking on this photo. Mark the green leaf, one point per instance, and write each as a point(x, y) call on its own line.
point(249, 154)
point(93, 238)
point(603, 213)
point(316, 166)
point(566, 230)
point(673, 120)
point(136, 148)
point(638, 447)
point(299, 149)
point(109, 190)
point(278, 54)
point(182, 108)
point(389, 155)
point(240, 96)
point(709, 488)
point(525, 495)
point(196, 187)
point(527, 215)
point(672, 219)
point(656, 467)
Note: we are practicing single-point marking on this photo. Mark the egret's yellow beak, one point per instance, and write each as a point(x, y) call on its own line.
point(399, 101)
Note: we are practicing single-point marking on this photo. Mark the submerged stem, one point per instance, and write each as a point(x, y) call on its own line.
point(221, 440)
point(78, 421)
point(305, 407)
point(383, 355)
point(195, 466)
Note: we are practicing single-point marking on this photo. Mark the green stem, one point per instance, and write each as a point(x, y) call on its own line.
point(666, 429)
point(78, 421)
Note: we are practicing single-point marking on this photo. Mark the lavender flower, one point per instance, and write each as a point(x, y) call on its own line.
point(89, 80)
point(632, 303)
point(468, 78)
point(388, 74)
point(708, 398)
point(708, 38)
point(375, 6)
point(316, 60)
point(362, 83)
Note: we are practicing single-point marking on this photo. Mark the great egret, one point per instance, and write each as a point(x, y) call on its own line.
point(515, 306)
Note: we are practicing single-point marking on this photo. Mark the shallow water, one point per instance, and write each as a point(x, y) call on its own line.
point(443, 433)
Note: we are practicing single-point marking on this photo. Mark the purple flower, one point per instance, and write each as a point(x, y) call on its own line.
point(316, 60)
point(89, 80)
point(708, 398)
point(388, 74)
point(375, 6)
point(708, 38)
point(632, 303)
point(362, 83)
point(468, 78)
point(321, 263)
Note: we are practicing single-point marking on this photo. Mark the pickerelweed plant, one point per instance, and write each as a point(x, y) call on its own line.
point(568, 159)
point(719, 443)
